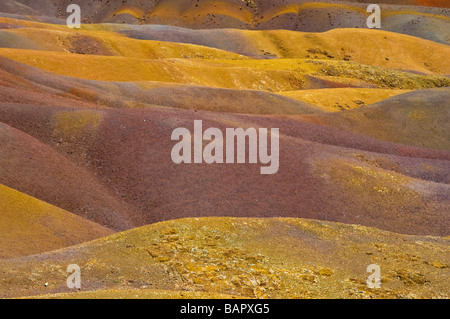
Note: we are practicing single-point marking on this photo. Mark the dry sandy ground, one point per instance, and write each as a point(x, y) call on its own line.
point(252, 258)
point(85, 123)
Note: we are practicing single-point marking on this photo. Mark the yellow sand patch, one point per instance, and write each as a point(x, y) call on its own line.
point(30, 226)
point(182, 9)
point(333, 100)
point(365, 46)
point(134, 11)
point(368, 181)
point(74, 123)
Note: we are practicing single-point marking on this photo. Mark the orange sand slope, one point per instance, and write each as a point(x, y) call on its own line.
point(29, 226)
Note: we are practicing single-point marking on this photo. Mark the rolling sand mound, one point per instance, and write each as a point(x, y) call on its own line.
point(309, 17)
point(342, 99)
point(393, 50)
point(86, 118)
point(417, 118)
point(422, 21)
point(105, 43)
point(319, 17)
point(40, 171)
point(425, 27)
point(113, 166)
point(270, 258)
point(250, 102)
point(264, 75)
point(129, 153)
point(29, 226)
point(48, 89)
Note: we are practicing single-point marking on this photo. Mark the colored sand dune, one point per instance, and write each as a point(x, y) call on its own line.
point(86, 175)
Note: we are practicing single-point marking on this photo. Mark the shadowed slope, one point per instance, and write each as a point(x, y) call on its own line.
point(95, 42)
point(36, 169)
point(269, 258)
point(29, 226)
